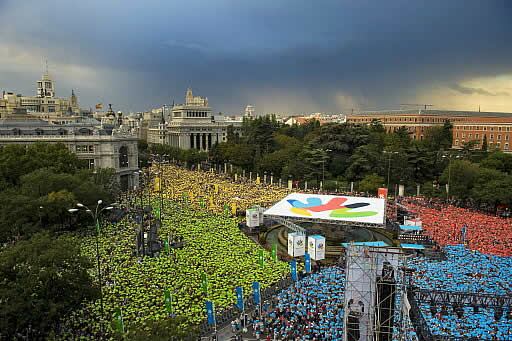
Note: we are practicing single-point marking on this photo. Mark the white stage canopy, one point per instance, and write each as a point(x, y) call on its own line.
point(330, 207)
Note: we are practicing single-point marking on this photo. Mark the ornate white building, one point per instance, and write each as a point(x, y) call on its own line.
point(44, 104)
point(192, 125)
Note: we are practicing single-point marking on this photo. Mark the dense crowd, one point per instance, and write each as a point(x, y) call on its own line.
point(214, 191)
point(470, 272)
point(445, 225)
point(310, 309)
point(214, 245)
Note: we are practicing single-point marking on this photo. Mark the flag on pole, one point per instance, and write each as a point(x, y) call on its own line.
point(158, 184)
point(274, 252)
point(118, 320)
point(166, 246)
point(240, 298)
point(258, 180)
point(233, 208)
point(202, 203)
point(210, 313)
point(216, 189)
point(168, 301)
point(157, 212)
point(293, 269)
point(256, 292)
point(204, 283)
point(261, 258)
point(307, 262)
point(226, 209)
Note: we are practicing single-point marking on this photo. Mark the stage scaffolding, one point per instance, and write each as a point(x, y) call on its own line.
point(375, 288)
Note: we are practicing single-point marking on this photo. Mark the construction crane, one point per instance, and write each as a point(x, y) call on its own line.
point(418, 105)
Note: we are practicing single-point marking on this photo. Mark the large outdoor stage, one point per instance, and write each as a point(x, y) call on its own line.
point(329, 209)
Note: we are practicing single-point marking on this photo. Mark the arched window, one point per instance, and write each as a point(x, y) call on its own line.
point(123, 157)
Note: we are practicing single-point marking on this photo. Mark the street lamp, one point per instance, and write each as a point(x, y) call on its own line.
point(95, 216)
point(389, 165)
point(323, 162)
point(449, 156)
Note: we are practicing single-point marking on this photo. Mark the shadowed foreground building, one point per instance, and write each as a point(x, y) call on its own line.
point(101, 148)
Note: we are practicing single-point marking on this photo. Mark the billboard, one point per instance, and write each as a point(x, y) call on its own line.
point(296, 244)
point(330, 207)
point(382, 193)
point(316, 247)
point(252, 217)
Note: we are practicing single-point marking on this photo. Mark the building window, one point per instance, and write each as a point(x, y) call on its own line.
point(499, 137)
point(498, 144)
point(499, 128)
point(123, 157)
point(491, 137)
point(470, 135)
point(506, 137)
point(90, 163)
point(476, 135)
point(456, 142)
point(463, 135)
point(456, 134)
point(506, 146)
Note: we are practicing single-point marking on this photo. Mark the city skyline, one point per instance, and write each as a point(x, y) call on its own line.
point(278, 56)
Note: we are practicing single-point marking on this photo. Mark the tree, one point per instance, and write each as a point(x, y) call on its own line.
point(462, 175)
point(492, 187)
point(42, 279)
point(499, 161)
point(371, 183)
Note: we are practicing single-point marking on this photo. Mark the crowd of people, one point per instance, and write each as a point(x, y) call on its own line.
point(446, 224)
point(213, 245)
point(469, 272)
point(310, 309)
point(195, 204)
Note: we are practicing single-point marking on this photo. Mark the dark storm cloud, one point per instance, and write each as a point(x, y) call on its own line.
point(237, 52)
point(469, 91)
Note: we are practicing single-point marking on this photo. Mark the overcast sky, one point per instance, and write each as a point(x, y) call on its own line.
point(281, 56)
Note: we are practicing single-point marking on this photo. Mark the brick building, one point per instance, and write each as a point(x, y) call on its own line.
point(467, 125)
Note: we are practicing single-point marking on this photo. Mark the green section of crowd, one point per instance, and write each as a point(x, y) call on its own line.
point(214, 245)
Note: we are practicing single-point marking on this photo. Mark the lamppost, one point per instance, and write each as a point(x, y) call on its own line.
point(449, 156)
point(324, 156)
point(389, 165)
point(95, 216)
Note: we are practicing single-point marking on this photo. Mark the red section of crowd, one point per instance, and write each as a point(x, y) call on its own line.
point(444, 223)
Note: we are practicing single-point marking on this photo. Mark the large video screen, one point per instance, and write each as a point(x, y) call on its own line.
point(342, 208)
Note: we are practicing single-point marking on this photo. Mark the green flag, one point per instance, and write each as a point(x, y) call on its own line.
point(274, 252)
point(118, 321)
point(204, 283)
point(202, 204)
point(261, 258)
point(97, 226)
point(166, 247)
point(158, 213)
point(226, 209)
point(168, 301)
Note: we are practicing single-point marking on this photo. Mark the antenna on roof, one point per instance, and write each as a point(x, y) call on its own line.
point(46, 61)
point(479, 108)
point(419, 105)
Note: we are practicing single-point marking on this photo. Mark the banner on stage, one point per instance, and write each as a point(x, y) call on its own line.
point(382, 193)
point(296, 244)
point(316, 247)
point(330, 207)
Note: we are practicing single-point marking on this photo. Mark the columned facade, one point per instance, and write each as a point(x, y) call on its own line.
point(193, 126)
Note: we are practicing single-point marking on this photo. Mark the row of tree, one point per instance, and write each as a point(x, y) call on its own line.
point(43, 275)
point(338, 154)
